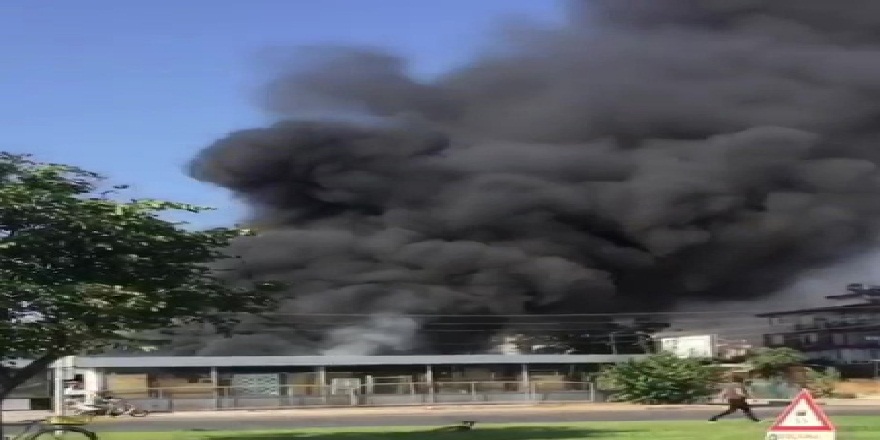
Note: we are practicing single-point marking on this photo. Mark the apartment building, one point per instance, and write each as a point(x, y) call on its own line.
point(845, 333)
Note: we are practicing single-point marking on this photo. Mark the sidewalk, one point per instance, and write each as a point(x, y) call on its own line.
point(850, 402)
point(446, 409)
point(18, 416)
point(13, 416)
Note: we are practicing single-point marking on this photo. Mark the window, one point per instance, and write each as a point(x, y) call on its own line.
point(38, 386)
point(782, 320)
point(777, 339)
point(872, 338)
point(838, 339)
point(809, 338)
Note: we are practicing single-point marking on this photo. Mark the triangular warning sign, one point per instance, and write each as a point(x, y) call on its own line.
point(803, 414)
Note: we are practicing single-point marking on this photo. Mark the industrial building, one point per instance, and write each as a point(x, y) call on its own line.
point(206, 383)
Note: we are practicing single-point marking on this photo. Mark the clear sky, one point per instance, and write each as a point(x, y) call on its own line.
point(133, 89)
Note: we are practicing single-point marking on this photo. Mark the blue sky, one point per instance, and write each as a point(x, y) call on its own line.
point(133, 89)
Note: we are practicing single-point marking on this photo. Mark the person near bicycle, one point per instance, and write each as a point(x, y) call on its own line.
point(81, 399)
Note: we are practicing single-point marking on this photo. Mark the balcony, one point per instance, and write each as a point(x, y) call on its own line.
point(823, 341)
point(838, 325)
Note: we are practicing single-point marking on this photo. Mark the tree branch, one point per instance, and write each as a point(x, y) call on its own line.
point(10, 381)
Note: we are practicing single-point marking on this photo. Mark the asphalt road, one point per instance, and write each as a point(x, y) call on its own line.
point(243, 421)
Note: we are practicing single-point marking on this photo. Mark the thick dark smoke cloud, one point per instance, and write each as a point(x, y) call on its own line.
point(647, 151)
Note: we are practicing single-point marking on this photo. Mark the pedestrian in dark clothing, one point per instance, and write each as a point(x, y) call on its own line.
point(737, 396)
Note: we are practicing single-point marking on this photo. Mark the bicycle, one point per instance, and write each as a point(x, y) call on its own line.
point(56, 427)
point(119, 407)
point(114, 407)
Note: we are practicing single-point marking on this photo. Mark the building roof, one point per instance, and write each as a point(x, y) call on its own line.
point(859, 291)
point(330, 361)
point(683, 334)
point(846, 308)
point(870, 296)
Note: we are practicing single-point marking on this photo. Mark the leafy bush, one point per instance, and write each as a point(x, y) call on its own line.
point(822, 382)
point(661, 379)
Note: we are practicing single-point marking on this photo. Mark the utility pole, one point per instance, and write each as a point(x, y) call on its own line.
point(613, 341)
point(642, 339)
point(60, 369)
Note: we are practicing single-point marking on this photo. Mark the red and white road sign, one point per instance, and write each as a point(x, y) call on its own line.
point(803, 419)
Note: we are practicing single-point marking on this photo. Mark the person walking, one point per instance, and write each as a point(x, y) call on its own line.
point(737, 397)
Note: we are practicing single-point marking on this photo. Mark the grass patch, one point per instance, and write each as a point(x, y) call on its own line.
point(849, 428)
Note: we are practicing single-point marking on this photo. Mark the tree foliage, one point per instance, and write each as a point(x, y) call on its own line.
point(822, 383)
point(80, 272)
point(771, 362)
point(662, 379)
point(599, 337)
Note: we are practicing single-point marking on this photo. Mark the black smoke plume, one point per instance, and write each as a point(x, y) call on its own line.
point(644, 153)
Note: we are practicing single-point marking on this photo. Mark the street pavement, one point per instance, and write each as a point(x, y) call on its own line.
point(280, 420)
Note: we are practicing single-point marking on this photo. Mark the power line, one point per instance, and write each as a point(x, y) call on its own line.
point(565, 325)
point(729, 332)
point(536, 316)
point(671, 325)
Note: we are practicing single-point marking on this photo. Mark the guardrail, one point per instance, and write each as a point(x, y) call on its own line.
point(392, 394)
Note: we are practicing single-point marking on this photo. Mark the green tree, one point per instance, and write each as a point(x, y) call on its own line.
point(80, 272)
point(661, 379)
point(772, 362)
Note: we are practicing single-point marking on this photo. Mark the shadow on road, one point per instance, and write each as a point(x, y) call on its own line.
point(488, 433)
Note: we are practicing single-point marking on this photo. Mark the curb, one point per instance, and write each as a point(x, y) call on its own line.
point(15, 417)
point(451, 410)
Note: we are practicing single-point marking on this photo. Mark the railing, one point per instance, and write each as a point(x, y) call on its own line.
point(853, 324)
point(396, 394)
point(763, 390)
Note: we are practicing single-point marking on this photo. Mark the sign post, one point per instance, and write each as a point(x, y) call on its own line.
point(803, 419)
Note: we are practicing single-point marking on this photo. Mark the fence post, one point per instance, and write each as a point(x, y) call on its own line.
point(322, 382)
point(526, 382)
point(215, 383)
point(429, 379)
point(160, 394)
point(473, 391)
point(592, 392)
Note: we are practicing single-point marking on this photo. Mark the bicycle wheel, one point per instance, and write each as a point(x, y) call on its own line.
point(137, 412)
point(63, 433)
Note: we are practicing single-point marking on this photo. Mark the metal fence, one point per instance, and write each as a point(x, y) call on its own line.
point(761, 390)
point(773, 389)
point(392, 394)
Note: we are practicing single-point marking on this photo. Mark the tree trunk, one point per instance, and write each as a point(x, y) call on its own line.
point(11, 379)
point(3, 393)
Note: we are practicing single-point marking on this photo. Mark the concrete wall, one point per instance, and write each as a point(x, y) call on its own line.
point(17, 405)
